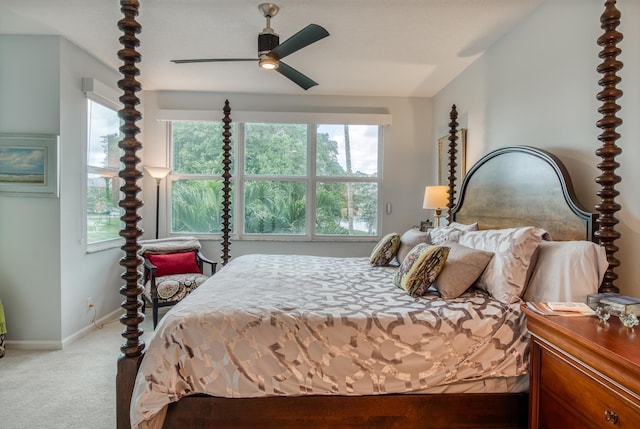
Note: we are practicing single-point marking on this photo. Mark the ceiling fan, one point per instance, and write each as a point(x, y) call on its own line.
point(271, 51)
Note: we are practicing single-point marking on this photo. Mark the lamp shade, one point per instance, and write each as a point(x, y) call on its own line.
point(158, 173)
point(435, 197)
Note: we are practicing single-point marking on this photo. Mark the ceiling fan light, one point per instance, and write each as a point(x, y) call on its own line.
point(268, 63)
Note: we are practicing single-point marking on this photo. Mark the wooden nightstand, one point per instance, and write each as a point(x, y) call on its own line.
point(583, 373)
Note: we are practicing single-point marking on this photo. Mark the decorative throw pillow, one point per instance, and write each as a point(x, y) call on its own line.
point(505, 276)
point(176, 286)
point(385, 250)
point(420, 268)
point(409, 240)
point(463, 266)
point(174, 263)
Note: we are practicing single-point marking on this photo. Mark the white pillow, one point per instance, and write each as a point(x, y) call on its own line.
point(409, 240)
point(567, 271)
point(445, 233)
point(464, 227)
point(451, 232)
point(505, 277)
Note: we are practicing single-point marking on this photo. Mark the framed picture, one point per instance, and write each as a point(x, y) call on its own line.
point(443, 158)
point(426, 225)
point(29, 165)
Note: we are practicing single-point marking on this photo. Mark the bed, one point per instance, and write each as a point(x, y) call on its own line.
point(375, 393)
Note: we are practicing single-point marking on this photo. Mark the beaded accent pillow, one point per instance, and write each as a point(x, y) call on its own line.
point(385, 250)
point(420, 268)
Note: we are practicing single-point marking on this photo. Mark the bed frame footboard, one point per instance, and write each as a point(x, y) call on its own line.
point(446, 411)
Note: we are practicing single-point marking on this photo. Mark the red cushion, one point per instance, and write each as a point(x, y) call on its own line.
point(175, 263)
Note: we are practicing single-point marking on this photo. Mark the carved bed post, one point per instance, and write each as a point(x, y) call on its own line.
point(607, 207)
point(226, 188)
point(453, 137)
point(132, 349)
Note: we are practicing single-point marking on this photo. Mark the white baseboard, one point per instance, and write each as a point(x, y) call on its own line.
point(57, 345)
point(34, 345)
point(92, 327)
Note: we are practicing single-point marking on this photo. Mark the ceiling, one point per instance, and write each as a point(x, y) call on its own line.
point(410, 48)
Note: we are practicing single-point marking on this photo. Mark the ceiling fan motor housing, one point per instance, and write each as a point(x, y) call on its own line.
point(267, 42)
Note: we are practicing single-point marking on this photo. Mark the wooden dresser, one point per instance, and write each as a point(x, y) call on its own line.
point(583, 373)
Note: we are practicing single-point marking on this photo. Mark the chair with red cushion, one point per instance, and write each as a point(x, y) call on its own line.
point(173, 268)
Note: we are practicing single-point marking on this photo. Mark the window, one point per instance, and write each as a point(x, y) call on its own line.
point(103, 162)
point(196, 179)
point(290, 180)
point(347, 164)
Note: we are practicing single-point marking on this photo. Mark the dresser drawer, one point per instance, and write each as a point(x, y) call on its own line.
point(573, 395)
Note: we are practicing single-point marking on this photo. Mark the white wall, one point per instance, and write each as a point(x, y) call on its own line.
point(537, 86)
point(45, 273)
point(30, 227)
point(407, 153)
point(83, 275)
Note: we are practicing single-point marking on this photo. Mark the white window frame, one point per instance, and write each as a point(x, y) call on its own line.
point(106, 96)
point(373, 116)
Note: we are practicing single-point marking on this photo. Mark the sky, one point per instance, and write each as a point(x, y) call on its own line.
point(364, 146)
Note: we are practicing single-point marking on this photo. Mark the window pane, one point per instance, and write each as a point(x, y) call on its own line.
point(196, 206)
point(274, 207)
point(346, 208)
point(103, 213)
point(197, 147)
point(104, 135)
point(347, 150)
point(276, 149)
point(103, 162)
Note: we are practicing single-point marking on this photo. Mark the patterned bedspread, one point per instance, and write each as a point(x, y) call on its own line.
point(294, 325)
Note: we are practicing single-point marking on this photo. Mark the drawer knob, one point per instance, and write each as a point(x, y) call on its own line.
point(611, 416)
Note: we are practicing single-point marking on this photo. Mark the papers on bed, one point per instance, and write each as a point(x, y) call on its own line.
point(567, 309)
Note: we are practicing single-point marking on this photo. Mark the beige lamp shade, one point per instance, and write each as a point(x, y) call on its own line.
point(158, 173)
point(435, 197)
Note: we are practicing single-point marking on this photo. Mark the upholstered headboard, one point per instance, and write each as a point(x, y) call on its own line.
point(523, 186)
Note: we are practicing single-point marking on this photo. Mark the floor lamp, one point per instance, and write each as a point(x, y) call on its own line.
point(158, 173)
point(436, 198)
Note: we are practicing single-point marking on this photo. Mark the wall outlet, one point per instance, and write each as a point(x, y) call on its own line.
point(89, 303)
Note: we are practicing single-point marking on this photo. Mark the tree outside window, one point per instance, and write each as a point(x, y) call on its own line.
point(103, 163)
point(285, 170)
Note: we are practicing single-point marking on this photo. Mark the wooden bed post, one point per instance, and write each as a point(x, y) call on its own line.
point(226, 188)
point(132, 349)
point(453, 137)
point(607, 207)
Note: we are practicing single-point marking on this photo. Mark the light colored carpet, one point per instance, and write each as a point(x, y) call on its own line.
point(66, 389)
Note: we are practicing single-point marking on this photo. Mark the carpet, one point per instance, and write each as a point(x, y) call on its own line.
point(65, 389)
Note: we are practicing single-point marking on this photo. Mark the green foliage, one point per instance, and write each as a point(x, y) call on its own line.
point(276, 149)
point(327, 157)
point(274, 207)
point(270, 206)
point(332, 214)
point(197, 147)
point(196, 206)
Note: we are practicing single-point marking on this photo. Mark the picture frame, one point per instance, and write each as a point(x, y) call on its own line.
point(29, 165)
point(426, 225)
point(443, 158)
